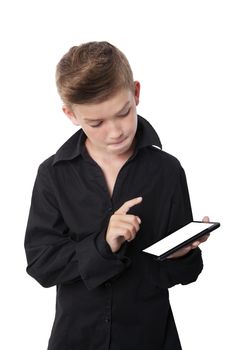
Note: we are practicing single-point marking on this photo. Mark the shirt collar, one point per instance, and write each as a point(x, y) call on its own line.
point(73, 147)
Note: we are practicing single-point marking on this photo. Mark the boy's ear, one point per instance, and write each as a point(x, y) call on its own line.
point(136, 91)
point(70, 114)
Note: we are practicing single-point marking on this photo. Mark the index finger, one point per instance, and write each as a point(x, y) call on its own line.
point(127, 205)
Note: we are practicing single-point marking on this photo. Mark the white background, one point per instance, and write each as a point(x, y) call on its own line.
point(181, 52)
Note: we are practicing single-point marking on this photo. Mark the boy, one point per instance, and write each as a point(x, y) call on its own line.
point(105, 195)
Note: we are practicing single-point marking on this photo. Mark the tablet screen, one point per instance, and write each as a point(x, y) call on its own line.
point(178, 237)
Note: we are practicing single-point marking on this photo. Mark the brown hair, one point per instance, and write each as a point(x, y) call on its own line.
point(92, 72)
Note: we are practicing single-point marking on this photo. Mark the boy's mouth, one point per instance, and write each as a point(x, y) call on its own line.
point(118, 142)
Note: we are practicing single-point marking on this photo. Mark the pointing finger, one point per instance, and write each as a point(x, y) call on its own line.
point(127, 205)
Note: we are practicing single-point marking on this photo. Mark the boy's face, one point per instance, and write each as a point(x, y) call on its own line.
point(110, 126)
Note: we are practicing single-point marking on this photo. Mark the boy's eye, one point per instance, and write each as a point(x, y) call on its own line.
point(96, 126)
point(122, 115)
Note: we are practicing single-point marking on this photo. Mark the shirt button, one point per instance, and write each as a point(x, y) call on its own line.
point(107, 284)
point(107, 320)
point(110, 209)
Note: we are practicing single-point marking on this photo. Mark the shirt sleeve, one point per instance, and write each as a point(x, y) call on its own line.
point(53, 257)
point(186, 269)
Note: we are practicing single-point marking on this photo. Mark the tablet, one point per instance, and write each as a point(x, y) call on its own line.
point(180, 238)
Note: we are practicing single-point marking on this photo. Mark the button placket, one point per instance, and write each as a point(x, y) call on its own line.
point(108, 305)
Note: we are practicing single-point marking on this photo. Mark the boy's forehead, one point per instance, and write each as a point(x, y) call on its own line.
point(110, 107)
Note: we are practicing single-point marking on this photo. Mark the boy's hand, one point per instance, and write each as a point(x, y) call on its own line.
point(185, 250)
point(122, 226)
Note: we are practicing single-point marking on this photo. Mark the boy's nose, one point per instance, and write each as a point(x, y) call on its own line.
point(115, 133)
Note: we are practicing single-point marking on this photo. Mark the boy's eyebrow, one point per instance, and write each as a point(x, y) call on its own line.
point(121, 110)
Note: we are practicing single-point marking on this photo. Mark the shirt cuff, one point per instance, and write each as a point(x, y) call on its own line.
point(183, 270)
point(97, 263)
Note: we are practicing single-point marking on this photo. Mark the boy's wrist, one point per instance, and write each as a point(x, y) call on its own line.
point(105, 249)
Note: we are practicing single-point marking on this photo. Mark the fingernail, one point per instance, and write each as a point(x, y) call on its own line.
point(139, 220)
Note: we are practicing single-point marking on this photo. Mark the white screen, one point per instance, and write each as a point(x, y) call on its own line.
point(176, 238)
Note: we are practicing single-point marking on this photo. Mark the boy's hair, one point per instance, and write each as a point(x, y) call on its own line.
point(92, 72)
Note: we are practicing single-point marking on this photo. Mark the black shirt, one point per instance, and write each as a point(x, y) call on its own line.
point(105, 300)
